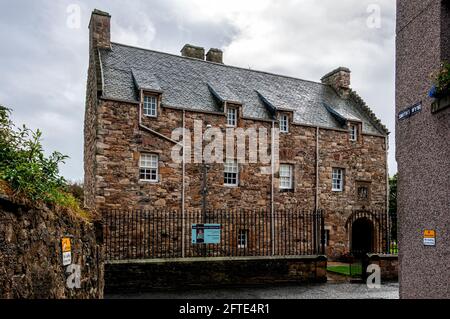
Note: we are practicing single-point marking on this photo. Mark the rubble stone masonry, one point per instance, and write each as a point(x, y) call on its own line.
point(119, 141)
point(114, 140)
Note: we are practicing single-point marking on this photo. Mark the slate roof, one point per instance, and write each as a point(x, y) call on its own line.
point(201, 85)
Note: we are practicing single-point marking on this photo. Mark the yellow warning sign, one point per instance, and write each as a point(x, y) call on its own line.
point(65, 243)
point(429, 233)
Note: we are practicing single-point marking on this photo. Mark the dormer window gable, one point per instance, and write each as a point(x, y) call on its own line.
point(284, 122)
point(231, 116)
point(354, 130)
point(150, 104)
point(232, 113)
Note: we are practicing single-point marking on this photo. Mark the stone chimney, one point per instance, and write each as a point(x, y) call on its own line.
point(100, 30)
point(338, 79)
point(192, 51)
point(214, 55)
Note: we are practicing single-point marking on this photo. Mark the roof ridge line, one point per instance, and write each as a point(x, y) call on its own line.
point(219, 64)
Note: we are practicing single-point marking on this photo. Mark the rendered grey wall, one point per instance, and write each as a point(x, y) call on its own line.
point(423, 151)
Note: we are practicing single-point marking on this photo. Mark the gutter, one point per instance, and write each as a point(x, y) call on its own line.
point(272, 212)
point(387, 176)
point(183, 188)
point(183, 165)
point(317, 204)
point(317, 170)
point(142, 126)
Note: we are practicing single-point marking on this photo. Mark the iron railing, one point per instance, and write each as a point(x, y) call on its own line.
point(138, 234)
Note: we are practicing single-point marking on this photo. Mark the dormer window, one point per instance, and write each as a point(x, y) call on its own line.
point(353, 131)
point(150, 105)
point(231, 116)
point(284, 123)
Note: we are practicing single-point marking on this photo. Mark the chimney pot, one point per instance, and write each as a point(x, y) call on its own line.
point(214, 55)
point(193, 51)
point(339, 79)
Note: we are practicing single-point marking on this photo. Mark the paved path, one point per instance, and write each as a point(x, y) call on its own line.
point(337, 290)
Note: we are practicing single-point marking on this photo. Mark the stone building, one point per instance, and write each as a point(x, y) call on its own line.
point(423, 149)
point(332, 148)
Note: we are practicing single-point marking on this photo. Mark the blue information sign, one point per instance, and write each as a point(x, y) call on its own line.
point(206, 233)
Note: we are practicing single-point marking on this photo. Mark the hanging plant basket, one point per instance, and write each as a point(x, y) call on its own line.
point(440, 104)
point(441, 89)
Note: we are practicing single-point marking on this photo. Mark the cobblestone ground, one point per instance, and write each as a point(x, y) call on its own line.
point(317, 291)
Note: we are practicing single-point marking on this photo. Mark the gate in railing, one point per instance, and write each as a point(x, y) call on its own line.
point(370, 232)
point(139, 234)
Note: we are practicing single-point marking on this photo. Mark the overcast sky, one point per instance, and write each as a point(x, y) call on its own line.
point(44, 51)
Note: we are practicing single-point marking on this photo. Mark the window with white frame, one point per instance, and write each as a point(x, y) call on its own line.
point(150, 106)
point(148, 167)
point(337, 179)
point(242, 238)
point(353, 132)
point(231, 116)
point(284, 123)
point(286, 176)
point(231, 173)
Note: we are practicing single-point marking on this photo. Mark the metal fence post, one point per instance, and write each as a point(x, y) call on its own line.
point(322, 231)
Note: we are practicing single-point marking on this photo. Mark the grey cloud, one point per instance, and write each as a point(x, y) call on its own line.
point(44, 63)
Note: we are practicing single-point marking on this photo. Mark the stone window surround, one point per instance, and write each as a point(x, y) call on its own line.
point(150, 106)
point(358, 128)
point(234, 170)
point(238, 113)
point(292, 179)
point(232, 116)
point(284, 123)
point(342, 175)
point(158, 103)
point(290, 116)
point(158, 178)
point(363, 183)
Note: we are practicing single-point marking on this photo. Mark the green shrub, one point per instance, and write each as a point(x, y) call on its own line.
point(27, 170)
point(441, 80)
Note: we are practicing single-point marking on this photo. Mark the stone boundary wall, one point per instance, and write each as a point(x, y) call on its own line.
point(31, 253)
point(145, 275)
point(387, 263)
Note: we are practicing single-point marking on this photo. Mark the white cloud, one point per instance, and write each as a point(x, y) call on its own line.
point(140, 32)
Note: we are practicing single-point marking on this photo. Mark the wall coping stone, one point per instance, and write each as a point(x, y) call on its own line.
point(214, 259)
point(383, 256)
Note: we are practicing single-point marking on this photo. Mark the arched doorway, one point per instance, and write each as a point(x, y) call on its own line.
point(362, 237)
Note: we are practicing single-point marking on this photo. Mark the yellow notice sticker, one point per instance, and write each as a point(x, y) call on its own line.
point(65, 243)
point(429, 233)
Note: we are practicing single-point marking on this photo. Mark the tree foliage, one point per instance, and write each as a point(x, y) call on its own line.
point(393, 204)
point(393, 194)
point(77, 190)
point(26, 169)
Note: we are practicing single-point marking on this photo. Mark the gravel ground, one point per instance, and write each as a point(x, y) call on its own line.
point(317, 291)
